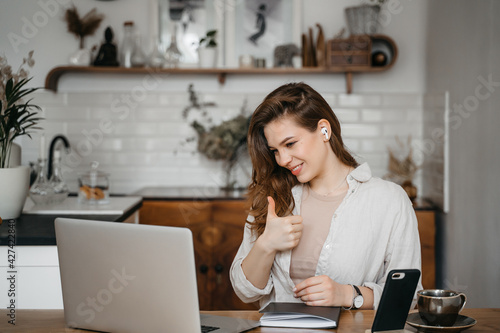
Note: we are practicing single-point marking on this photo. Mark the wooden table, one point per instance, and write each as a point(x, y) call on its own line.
point(52, 321)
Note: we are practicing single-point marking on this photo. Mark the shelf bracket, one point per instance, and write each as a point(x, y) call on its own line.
point(348, 82)
point(222, 78)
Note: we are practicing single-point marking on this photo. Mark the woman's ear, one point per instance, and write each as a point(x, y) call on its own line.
point(325, 129)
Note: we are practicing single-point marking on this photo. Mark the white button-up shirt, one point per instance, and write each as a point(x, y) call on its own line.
point(373, 231)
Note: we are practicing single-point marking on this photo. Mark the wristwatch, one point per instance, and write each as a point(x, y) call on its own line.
point(358, 300)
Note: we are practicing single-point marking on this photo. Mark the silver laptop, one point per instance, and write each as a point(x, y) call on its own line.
point(120, 277)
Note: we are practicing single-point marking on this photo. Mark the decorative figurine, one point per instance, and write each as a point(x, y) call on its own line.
point(283, 55)
point(107, 55)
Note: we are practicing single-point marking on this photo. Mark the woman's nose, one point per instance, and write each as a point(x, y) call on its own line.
point(283, 159)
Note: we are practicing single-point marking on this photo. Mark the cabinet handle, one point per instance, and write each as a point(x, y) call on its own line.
point(203, 269)
point(218, 269)
point(349, 60)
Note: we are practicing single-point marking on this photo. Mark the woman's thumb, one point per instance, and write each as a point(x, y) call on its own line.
point(271, 207)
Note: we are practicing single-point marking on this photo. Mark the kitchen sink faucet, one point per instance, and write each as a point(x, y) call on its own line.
point(52, 148)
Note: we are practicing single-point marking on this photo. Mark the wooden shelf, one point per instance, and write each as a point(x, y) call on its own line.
point(52, 79)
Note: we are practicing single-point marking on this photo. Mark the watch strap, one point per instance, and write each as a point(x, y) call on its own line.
point(358, 292)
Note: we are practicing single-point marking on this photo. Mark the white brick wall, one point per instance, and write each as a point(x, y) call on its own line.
point(137, 138)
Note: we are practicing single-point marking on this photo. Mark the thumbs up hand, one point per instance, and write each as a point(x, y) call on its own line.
point(281, 233)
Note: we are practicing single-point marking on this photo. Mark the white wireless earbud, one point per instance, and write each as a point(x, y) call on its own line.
point(325, 132)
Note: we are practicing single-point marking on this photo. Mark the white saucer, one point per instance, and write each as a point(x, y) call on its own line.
point(462, 323)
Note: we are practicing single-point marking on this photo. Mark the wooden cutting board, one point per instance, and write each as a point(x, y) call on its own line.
point(305, 51)
point(312, 49)
point(320, 47)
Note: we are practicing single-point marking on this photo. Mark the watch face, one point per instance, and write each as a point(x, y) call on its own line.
point(358, 301)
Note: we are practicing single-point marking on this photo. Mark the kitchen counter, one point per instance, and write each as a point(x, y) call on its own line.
point(190, 193)
point(215, 193)
point(36, 224)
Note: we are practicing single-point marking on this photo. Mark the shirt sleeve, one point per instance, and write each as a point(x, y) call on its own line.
point(243, 288)
point(403, 251)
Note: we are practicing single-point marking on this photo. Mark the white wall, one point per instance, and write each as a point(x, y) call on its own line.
point(463, 47)
point(139, 144)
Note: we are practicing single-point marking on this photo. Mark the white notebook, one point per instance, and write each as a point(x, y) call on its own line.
point(299, 315)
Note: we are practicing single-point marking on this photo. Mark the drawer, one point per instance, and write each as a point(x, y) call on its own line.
point(351, 44)
point(349, 60)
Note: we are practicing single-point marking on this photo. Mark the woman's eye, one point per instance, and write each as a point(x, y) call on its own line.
point(274, 151)
point(290, 144)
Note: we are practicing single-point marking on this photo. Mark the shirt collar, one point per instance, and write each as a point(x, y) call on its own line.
point(362, 173)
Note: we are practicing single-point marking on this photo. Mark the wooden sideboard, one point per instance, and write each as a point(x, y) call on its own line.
point(217, 227)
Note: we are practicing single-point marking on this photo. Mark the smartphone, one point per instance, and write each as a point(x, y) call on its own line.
point(396, 299)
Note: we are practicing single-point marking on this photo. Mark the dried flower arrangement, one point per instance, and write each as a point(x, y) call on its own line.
point(84, 26)
point(402, 171)
point(223, 142)
point(17, 116)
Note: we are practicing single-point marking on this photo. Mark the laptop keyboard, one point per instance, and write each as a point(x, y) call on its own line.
point(206, 329)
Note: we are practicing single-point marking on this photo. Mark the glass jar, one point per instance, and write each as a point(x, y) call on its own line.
point(127, 46)
point(93, 186)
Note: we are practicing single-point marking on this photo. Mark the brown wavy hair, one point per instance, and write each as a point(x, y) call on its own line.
point(307, 107)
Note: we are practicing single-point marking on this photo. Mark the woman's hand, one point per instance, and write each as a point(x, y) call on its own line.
point(323, 291)
point(281, 233)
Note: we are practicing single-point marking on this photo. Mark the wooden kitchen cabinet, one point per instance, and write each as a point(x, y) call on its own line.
point(427, 231)
point(217, 228)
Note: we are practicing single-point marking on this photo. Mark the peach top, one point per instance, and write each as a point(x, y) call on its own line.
point(316, 211)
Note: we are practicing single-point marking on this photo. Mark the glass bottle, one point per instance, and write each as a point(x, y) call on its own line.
point(41, 192)
point(60, 188)
point(138, 59)
point(127, 46)
point(157, 57)
point(173, 55)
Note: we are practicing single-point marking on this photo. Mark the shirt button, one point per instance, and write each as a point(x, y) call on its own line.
point(352, 191)
point(334, 216)
point(327, 246)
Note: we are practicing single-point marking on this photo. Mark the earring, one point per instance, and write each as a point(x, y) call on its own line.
point(325, 132)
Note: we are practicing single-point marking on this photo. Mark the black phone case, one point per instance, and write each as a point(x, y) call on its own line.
point(396, 300)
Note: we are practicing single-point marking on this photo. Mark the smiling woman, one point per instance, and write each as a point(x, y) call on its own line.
point(321, 229)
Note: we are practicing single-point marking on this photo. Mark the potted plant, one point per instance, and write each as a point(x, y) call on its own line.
point(207, 50)
point(17, 117)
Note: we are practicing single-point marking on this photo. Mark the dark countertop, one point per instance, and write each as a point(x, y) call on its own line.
point(215, 193)
point(38, 229)
point(190, 193)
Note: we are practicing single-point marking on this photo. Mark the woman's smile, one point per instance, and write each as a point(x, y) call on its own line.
point(296, 170)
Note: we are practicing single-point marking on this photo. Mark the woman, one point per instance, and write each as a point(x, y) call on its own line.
point(321, 229)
